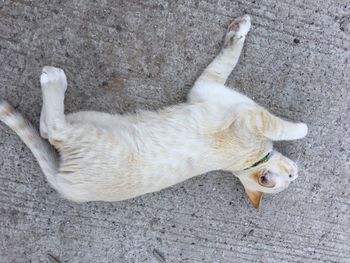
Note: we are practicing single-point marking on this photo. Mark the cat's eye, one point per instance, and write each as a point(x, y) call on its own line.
point(266, 180)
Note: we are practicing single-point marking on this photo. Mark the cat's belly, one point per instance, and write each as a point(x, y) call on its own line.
point(117, 174)
point(104, 180)
point(97, 164)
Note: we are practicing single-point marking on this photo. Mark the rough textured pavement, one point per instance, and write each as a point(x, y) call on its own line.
point(125, 55)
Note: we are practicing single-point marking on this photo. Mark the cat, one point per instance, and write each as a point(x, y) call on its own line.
point(104, 157)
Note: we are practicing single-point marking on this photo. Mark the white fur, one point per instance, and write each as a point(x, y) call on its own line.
point(115, 157)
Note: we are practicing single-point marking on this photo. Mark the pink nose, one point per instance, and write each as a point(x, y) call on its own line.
point(292, 176)
point(294, 172)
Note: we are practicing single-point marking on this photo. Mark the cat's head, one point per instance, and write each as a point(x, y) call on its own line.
point(273, 172)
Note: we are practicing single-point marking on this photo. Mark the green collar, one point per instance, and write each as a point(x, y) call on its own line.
point(261, 161)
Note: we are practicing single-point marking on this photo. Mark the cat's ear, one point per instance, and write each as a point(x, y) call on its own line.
point(254, 197)
point(277, 129)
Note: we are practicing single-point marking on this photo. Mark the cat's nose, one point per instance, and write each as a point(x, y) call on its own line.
point(293, 175)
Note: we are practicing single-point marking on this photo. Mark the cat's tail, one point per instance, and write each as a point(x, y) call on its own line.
point(41, 149)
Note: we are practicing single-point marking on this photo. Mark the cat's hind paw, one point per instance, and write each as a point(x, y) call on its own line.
point(52, 76)
point(238, 29)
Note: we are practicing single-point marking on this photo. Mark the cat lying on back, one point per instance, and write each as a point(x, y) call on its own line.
point(112, 157)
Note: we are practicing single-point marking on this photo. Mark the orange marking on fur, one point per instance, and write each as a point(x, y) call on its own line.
point(254, 197)
point(223, 139)
point(9, 110)
point(256, 176)
point(214, 76)
point(234, 26)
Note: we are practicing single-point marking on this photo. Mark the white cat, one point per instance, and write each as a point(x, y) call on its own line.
point(116, 157)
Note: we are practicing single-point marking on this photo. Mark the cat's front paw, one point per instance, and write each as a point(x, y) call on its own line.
point(238, 29)
point(301, 130)
point(52, 76)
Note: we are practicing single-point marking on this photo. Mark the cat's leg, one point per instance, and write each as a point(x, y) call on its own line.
point(221, 67)
point(210, 84)
point(91, 117)
point(43, 127)
point(261, 122)
point(53, 85)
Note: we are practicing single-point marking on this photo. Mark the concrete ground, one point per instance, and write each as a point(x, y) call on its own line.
point(125, 55)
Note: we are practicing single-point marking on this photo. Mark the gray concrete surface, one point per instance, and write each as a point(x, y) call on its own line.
point(125, 55)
